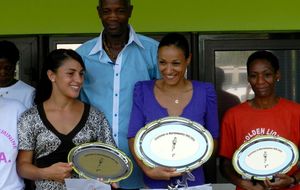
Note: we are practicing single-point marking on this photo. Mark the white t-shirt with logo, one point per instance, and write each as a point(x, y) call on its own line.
point(10, 111)
point(20, 91)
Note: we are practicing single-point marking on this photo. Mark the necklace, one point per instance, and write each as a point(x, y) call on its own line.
point(173, 97)
point(112, 54)
point(108, 51)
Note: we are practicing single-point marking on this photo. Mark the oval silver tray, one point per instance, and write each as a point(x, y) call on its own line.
point(263, 156)
point(174, 142)
point(98, 160)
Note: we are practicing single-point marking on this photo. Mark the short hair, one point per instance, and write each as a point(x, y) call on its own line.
point(53, 61)
point(9, 51)
point(263, 55)
point(127, 2)
point(177, 40)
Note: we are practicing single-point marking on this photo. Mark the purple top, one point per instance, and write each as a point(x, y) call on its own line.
point(202, 108)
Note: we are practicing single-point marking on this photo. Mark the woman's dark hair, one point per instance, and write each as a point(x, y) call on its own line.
point(263, 55)
point(177, 40)
point(9, 51)
point(53, 61)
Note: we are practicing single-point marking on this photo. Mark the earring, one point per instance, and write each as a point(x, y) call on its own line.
point(278, 80)
point(52, 80)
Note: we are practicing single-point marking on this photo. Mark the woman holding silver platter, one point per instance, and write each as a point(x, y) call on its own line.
point(266, 114)
point(173, 95)
point(57, 123)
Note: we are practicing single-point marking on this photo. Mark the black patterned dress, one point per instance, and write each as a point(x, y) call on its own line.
point(49, 146)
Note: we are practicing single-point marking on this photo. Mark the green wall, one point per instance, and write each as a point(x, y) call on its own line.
point(80, 16)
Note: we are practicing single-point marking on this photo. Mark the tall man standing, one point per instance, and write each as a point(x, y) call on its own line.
point(114, 62)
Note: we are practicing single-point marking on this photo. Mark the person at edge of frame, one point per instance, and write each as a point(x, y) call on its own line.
point(264, 113)
point(10, 87)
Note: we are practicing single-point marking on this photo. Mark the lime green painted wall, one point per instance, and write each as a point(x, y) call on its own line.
point(80, 16)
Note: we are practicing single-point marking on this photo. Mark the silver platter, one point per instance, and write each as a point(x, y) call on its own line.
point(98, 160)
point(174, 142)
point(264, 156)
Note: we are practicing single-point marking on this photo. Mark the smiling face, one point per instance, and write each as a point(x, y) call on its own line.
point(172, 64)
point(114, 15)
point(262, 78)
point(68, 78)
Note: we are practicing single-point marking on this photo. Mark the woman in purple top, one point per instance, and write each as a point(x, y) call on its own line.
point(173, 95)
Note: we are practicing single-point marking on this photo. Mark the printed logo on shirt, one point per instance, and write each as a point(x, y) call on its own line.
point(11, 139)
point(260, 131)
point(4, 157)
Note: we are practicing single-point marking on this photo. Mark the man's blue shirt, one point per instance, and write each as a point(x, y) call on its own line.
point(109, 85)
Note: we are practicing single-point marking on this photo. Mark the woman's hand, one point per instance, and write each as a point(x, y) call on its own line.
point(162, 173)
point(281, 181)
point(157, 173)
point(58, 171)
